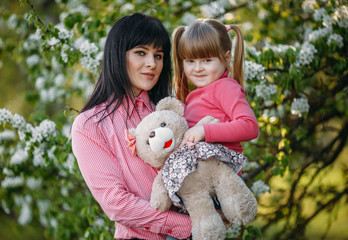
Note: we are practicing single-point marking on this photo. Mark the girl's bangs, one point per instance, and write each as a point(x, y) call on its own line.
point(204, 47)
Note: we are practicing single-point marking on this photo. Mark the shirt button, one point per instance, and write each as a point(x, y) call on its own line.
point(147, 228)
point(170, 231)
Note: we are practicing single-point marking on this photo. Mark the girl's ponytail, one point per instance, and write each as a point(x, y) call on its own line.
point(238, 58)
point(181, 86)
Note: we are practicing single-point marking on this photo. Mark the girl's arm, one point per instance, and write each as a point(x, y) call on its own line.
point(230, 97)
point(104, 179)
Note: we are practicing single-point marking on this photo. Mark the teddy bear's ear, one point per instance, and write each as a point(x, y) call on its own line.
point(171, 103)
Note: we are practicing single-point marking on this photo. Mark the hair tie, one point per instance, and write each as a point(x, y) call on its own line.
point(228, 27)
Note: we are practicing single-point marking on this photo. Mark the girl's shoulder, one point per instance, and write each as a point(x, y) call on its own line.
point(227, 84)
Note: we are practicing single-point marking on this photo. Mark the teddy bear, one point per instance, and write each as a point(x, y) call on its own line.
point(190, 176)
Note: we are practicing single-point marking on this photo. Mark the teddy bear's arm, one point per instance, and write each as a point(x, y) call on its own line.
point(208, 119)
point(159, 196)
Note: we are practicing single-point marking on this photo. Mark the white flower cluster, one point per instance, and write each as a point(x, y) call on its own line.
point(253, 70)
point(88, 62)
point(259, 187)
point(25, 215)
point(306, 55)
point(335, 39)
point(309, 5)
point(19, 157)
point(33, 60)
point(280, 48)
point(214, 9)
point(341, 16)
point(188, 18)
point(46, 129)
point(265, 91)
point(63, 32)
point(12, 182)
point(299, 106)
point(319, 33)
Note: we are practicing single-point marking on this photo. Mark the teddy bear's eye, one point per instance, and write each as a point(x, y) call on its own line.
point(147, 143)
point(163, 124)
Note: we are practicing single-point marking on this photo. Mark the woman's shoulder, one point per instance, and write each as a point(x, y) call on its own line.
point(87, 118)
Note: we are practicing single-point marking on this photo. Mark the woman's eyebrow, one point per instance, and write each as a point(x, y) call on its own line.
point(147, 47)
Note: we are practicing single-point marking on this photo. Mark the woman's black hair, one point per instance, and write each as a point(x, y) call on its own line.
point(113, 82)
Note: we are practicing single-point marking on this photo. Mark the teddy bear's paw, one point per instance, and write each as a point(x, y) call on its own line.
point(212, 228)
point(246, 212)
point(162, 206)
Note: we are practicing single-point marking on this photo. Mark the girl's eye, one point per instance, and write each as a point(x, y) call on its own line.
point(163, 124)
point(189, 60)
point(207, 60)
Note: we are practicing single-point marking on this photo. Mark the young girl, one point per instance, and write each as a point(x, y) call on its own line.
point(202, 55)
point(135, 75)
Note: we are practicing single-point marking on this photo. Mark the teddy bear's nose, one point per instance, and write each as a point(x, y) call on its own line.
point(152, 134)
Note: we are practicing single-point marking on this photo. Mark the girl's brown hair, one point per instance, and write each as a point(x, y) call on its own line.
point(205, 38)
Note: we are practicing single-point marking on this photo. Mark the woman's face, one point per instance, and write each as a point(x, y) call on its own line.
point(144, 66)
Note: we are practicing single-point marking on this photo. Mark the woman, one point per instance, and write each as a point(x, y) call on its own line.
point(135, 75)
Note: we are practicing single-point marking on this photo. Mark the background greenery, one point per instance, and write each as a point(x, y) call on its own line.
point(296, 82)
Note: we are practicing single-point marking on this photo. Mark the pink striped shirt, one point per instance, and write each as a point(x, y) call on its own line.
point(120, 182)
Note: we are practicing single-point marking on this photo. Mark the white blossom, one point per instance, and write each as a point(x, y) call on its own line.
point(80, 8)
point(63, 32)
point(47, 128)
point(38, 159)
point(19, 157)
point(59, 80)
point(88, 48)
point(7, 135)
point(259, 187)
point(25, 215)
point(335, 39)
point(33, 60)
point(319, 14)
point(12, 21)
point(126, 7)
point(5, 207)
point(69, 163)
point(18, 122)
point(53, 41)
point(5, 116)
point(253, 70)
point(299, 106)
point(188, 18)
point(265, 91)
point(12, 182)
point(309, 5)
point(89, 63)
point(306, 55)
point(319, 33)
point(213, 9)
point(34, 183)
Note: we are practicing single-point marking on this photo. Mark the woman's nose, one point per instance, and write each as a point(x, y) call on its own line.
point(150, 61)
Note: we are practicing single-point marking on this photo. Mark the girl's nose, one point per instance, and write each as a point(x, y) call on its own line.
point(198, 66)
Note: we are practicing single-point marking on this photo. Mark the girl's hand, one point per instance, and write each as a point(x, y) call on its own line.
point(193, 135)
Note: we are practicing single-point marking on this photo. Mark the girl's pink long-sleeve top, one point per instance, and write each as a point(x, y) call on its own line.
point(225, 100)
point(120, 182)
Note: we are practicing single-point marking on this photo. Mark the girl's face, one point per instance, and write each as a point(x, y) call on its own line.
point(203, 71)
point(144, 66)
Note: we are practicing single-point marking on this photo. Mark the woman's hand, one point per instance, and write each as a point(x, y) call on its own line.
point(193, 135)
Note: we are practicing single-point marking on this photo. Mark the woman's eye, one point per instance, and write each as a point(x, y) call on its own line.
point(140, 53)
point(163, 124)
point(158, 56)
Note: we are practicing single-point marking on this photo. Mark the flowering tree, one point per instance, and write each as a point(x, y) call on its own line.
point(296, 82)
